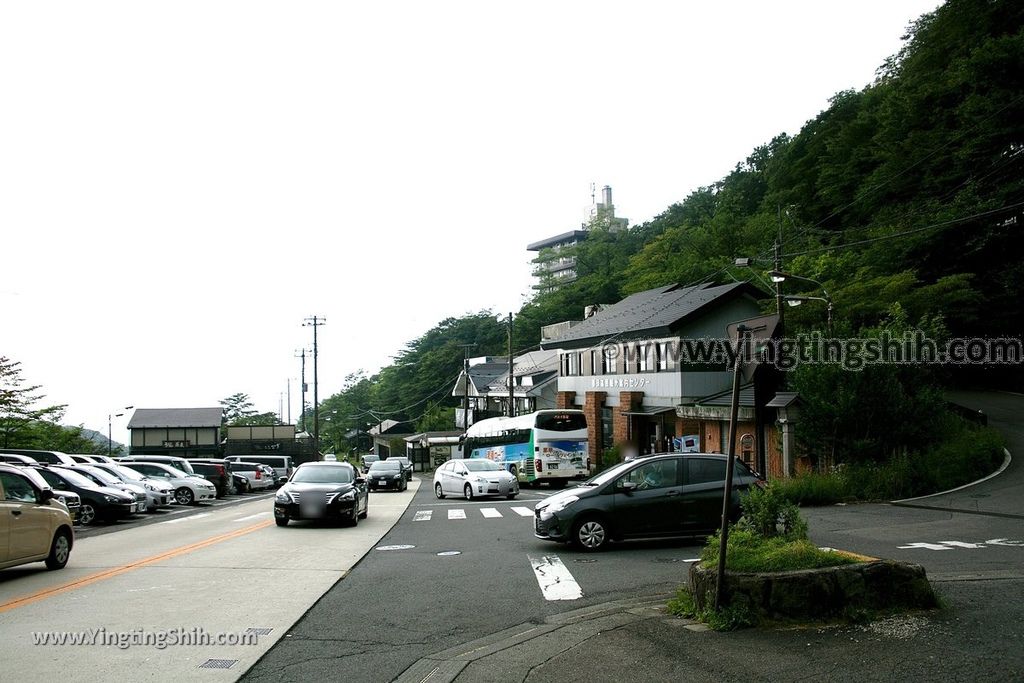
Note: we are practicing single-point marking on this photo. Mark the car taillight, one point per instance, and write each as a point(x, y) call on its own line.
point(259, 475)
point(538, 465)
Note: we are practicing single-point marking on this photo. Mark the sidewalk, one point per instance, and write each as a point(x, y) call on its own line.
point(977, 639)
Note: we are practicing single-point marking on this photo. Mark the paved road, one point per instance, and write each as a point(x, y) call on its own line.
point(1002, 494)
point(223, 569)
point(400, 605)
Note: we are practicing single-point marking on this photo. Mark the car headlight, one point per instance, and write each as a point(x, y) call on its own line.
point(348, 495)
point(550, 509)
point(110, 499)
point(150, 487)
point(282, 497)
point(62, 501)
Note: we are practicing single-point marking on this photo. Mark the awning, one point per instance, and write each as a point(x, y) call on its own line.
point(651, 410)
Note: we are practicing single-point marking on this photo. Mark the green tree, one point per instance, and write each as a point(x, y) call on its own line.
point(20, 414)
point(237, 407)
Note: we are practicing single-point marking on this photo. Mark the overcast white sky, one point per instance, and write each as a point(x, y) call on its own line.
point(181, 183)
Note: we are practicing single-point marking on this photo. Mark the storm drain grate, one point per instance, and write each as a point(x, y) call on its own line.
point(260, 631)
point(218, 664)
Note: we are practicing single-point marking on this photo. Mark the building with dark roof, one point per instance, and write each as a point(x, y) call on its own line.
point(630, 365)
point(183, 432)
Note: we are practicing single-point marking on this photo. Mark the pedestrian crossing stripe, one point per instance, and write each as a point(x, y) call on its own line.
point(523, 512)
point(456, 513)
point(422, 516)
point(490, 512)
point(460, 513)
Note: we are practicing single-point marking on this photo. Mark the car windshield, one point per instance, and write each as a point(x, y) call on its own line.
point(127, 473)
point(76, 479)
point(609, 474)
point(482, 466)
point(385, 465)
point(323, 475)
point(103, 477)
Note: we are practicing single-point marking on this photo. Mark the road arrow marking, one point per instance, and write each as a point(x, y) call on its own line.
point(961, 544)
point(924, 546)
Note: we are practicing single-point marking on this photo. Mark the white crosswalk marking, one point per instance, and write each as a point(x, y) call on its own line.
point(490, 512)
point(523, 512)
point(422, 516)
point(554, 579)
point(457, 513)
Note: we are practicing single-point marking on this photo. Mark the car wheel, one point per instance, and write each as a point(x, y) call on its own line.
point(468, 492)
point(514, 471)
point(590, 534)
point(512, 495)
point(184, 496)
point(366, 510)
point(60, 550)
point(437, 491)
point(86, 514)
point(281, 521)
point(355, 517)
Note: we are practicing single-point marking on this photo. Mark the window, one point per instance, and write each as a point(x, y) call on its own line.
point(606, 428)
point(661, 349)
point(17, 489)
point(705, 470)
point(643, 357)
point(608, 360)
point(593, 362)
point(660, 474)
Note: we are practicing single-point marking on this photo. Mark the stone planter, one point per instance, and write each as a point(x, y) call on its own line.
point(819, 593)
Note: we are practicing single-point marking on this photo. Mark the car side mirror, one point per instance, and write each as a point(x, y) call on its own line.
point(46, 495)
point(628, 486)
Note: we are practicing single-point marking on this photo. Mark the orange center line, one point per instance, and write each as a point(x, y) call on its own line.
point(115, 571)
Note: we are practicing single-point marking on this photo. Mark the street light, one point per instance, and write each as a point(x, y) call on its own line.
point(795, 301)
point(110, 429)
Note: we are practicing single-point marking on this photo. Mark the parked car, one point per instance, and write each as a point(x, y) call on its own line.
point(322, 490)
point(282, 464)
point(98, 502)
point(82, 459)
point(189, 489)
point(105, 459)
point(173, 461)
point(101, 478)
point(658, 496)
point(14, 459)
point(216, 471)
point(474, 478)
point(258, 480)
point(159, 493)
point(52, 457)
point(388, 475)
point(239, 483)
point(37, 526)
point(406, 466)
point(368, 460)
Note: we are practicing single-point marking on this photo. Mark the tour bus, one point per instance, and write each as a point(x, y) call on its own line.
point(547, 445)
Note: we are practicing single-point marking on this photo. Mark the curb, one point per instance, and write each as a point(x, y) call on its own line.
point(445, 666)
point(1002, 468)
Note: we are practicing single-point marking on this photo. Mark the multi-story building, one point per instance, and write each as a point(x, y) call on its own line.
point(556, 260)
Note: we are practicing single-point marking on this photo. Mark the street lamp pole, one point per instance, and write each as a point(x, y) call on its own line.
point(110, 430)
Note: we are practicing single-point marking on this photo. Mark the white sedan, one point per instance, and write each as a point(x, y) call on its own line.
point(189, 489)
point(474, 478)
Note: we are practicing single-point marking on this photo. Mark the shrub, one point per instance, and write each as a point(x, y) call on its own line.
point(750, 552)
point(768, 513)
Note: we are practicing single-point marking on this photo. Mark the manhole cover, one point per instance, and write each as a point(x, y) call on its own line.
point(448, 553)
point(218, 664)
point(394, 547)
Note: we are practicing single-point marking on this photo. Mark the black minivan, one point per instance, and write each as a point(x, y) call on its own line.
point(656, 496)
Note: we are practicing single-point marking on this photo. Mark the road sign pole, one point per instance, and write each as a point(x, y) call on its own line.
point(730, 458)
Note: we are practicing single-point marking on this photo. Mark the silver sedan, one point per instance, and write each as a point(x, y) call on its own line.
point(474, 478)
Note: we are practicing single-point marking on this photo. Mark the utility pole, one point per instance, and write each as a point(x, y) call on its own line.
point(511, 373)
point(741, 333)
point(302, 409)
point(315, 322)
point(777, 261)
point(289, 400)
point(465, 385)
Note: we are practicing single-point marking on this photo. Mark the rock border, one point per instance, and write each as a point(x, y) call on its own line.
point(816, 594)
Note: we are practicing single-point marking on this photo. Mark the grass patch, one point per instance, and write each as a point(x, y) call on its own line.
point(749, 552)
point(728, 618)
point(965, 456)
